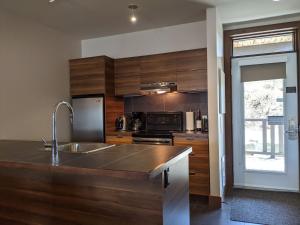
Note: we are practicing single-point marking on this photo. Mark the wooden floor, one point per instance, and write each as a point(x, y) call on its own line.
point(200, 215)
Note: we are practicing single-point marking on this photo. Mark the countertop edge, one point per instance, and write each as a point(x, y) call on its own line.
point(131, 175)
point(158, 170)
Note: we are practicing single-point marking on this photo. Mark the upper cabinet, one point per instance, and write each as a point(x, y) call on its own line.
point(192, 70)
point(187, 68)
point(123, 77)
point(93, 75)
point(158, 68)
point(127, 76)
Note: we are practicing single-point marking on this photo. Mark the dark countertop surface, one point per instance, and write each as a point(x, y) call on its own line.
point(138, 161)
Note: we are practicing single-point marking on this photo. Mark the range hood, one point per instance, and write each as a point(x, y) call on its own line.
point(158, 88)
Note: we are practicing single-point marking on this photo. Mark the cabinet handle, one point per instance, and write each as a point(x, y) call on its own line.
point(119, 136)
point(192, 173)
point(166, 178)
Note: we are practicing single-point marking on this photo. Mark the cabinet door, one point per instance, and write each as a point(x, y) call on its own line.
point(199, 164)
point(118, 139)
point(87, 76)
point(158, 68)
point(192, 80)
point(192, 70)
point(127, 76)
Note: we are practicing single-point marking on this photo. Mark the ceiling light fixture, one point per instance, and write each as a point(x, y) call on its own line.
point(51, 1)
point(276, 0)
point(133, 17)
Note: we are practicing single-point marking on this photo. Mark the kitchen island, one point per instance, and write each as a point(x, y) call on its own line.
point(122, 185)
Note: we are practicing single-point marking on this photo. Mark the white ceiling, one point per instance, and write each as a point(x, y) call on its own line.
point(234, 11)
point(95, 18)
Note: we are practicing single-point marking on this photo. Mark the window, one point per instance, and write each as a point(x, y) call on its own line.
point(263, 44)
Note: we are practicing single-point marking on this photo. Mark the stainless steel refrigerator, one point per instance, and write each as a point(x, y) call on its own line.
point(88, 124)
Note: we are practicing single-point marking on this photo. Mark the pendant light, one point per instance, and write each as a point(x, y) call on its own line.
point(133, 8)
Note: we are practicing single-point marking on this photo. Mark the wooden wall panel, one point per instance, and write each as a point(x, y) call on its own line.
point(50, 198)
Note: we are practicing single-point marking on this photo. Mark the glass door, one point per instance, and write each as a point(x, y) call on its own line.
point(265, 122)
point(264, 104)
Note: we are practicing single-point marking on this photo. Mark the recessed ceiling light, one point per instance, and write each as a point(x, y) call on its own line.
point(51, 1)
point(276, 0)
point(133, 17)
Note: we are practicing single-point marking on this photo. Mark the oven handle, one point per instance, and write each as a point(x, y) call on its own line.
point(153, 141)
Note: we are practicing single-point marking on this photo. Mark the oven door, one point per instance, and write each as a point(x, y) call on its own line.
point(153, 141)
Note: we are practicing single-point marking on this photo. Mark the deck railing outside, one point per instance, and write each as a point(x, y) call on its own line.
point(272, 138)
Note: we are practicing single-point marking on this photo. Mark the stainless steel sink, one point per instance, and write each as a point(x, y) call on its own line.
point(83, 148)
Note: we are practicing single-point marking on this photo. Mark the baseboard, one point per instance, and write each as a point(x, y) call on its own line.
point(214, 202)
point(263, 188)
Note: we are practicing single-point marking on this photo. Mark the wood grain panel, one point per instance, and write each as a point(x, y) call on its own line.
point(158, 68)
point(192, 60)
point(127, 76)
point(192, 70)
point(87, 76)
point(119, 139)
point(114, 107)
point(49, 198)
point(192, 80)
point(109, 77)
point(199, 164)
point(93, 75)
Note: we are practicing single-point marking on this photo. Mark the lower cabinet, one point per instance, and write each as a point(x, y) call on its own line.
point(118, 139)
point(199, 164)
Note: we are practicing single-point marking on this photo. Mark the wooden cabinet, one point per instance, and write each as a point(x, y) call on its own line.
point(187, 68)
point(127, 76)
point(118, 139)
point(192, 70)
point(93, 75)
point(199, 164)
point(158, 68)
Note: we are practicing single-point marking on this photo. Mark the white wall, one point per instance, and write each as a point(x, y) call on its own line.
point(34, 76)
point(167, 39)
point(216, 120)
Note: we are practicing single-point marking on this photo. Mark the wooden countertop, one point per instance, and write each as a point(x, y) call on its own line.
point(135, 161)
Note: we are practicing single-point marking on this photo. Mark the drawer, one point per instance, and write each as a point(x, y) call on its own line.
point(119, 139)
point(199, 184)
point(200, 164)
point(200, 146)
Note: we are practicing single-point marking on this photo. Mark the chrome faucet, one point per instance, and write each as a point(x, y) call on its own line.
point(54, 134)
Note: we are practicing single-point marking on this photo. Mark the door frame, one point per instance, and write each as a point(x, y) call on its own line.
point(228, 55)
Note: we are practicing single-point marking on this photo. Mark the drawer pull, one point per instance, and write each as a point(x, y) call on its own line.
point(119, 136)
point(192, 173)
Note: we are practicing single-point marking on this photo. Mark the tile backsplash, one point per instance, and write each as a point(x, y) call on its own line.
point(167, 102)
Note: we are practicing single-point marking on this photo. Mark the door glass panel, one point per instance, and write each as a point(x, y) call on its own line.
point(264, 125)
